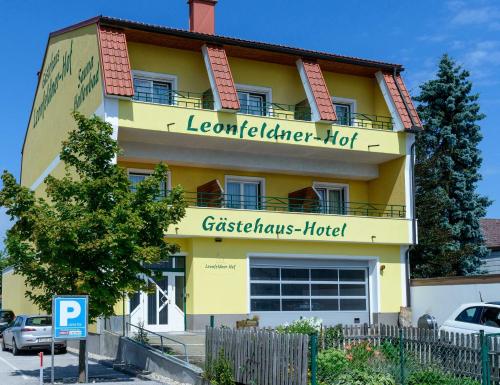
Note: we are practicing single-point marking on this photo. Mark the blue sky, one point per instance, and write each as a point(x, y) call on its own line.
point(413, 33)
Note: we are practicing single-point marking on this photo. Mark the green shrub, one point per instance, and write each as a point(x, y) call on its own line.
point(332, 335)
point(360, 353)
point(361, 377)
point(436, 377)
point(301, 326)
point(220, 371)
point(331, 363)
point(141, 335)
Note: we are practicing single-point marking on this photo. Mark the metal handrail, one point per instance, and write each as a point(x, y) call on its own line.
point(161, 340)
point(298, 111)
point(305, 205)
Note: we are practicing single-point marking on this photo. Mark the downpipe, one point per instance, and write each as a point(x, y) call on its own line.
point(413, 224)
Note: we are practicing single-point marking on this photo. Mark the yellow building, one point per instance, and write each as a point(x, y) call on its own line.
point(297, 167)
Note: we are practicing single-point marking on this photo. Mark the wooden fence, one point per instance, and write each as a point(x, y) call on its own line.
point(456, 353)
point(260, 357)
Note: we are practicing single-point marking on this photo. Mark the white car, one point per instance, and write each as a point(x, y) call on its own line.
point(473, 317)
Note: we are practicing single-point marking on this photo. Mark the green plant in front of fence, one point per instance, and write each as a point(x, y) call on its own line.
point(301, 326)
point(437, 377)
point(357, 363)
point(331, 363)
point(331, 335)
point(219, 371)
point(361, 377)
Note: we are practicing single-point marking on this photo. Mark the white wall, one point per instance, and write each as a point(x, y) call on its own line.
point(441, 300)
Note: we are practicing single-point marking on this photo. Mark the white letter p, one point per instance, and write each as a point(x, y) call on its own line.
point(69, 309)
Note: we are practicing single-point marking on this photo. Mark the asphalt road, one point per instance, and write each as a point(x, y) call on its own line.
point(25, 370)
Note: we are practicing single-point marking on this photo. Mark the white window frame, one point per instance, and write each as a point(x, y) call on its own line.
point(168, 78)
point(267, 91)
point(243, 179)
point(333, 186)
point(351, 102)
point(148, 171)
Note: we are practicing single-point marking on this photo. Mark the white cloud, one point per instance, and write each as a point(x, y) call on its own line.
point(474, 13)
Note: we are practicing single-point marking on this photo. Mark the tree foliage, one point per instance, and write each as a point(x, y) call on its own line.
point(447, 171)
point(90, 234)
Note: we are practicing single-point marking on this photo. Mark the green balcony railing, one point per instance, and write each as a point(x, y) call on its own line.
point(300, 111)
point(270, 203)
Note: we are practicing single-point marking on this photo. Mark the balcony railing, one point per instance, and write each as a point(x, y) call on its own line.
point(270, 203)
point(277, 110)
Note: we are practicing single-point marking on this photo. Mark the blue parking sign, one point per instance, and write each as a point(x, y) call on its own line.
point(70, 317)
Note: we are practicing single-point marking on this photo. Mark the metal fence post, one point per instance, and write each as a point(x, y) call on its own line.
point(212, 321)
point(485, 365)
point(314, 358)
point(401, 357)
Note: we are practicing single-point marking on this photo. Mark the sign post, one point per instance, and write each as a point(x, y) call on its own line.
point(70, 322)
point(41, 367)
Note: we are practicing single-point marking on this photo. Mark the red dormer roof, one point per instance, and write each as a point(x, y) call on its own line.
point(115, 62)
point(223, 78)
point(319, 90)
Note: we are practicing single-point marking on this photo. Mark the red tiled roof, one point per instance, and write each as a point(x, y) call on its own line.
point(319, 90)
point(223, 78)
point(115, 62)
point(491, 232)
point(397, 97)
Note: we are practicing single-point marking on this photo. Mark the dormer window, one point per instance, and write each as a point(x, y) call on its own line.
point(254, 100)
point(154, 88)
point(345, 110)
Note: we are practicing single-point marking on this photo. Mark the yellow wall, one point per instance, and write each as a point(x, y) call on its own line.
point(389, 187)
point(364, 90)
point(277, 185)
point(284, 80)
point(188, 66)
point(14, 297)
point(46, 131)
point(225, 291)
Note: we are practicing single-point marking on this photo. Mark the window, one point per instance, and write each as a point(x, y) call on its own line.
point(304, 289)
point(39, 321)
point(332, 198)
point(244, 193)
point(469, 315)
point(18, 321)
point(154, 88)
point(254, 100)
point(137, 176)
point(491, 317)
point(343, 112)
point(252, 103)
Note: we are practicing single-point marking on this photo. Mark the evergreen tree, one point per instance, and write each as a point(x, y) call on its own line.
point(447, 171)
point(91, 234)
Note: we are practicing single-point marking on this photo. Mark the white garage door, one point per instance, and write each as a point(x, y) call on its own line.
point(282, 291)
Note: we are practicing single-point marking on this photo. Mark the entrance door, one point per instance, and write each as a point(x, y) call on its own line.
point(164, 306)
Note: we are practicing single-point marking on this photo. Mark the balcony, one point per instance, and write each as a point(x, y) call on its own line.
point(301, 111)
point(181, 128)
point(294, 205)
point(275, 218)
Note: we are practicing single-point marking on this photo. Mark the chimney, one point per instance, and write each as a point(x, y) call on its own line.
point(202, 16)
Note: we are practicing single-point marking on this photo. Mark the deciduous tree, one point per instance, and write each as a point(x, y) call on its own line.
point(89, 233)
